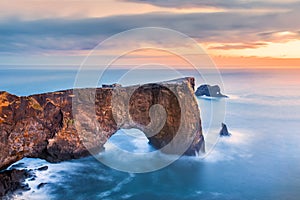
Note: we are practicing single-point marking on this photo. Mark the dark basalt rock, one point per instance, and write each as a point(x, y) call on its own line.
point(18, 165)
point(32, 179)
point(210, 91)
point(44, 126)
point(44, 168)
point(224, 131)
point(12, 180)
point(41, 185)
point(111, 86)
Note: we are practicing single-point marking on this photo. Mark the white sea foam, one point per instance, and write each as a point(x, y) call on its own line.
point(117, 188)
point(199, 192)
point(126, 196)
point(122, 160)
point(230, 148)
point(141, 145)
point(233, 97)
point(49, 176)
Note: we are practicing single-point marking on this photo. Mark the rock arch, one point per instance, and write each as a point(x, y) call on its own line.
point(45, 126)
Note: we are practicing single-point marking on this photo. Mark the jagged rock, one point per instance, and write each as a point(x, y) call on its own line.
point(44, 168)
point(41, 185)
point(111, 86)
point(224, 130)
point(210, 91)
point(18, 165)
point(32, 179)
point(44, 125)
point(12, 180)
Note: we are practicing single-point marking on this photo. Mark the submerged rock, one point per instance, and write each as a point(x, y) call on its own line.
point(41, 185)
point(44, 125)
point(224, 131)
point(12, 180)
point(18, 165)
point(210, 91)
point(44, 168)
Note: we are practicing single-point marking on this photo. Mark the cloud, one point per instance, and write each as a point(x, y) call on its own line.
point(280, 36)
point(54, 34)
point(228, 4)
point(33, 9)
point(239, 46)
point(250, 29)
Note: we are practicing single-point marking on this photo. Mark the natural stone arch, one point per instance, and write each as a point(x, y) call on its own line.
point(44, 126)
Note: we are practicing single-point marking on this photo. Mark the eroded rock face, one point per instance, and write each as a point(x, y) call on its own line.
point(12, 180)
point(63, 125)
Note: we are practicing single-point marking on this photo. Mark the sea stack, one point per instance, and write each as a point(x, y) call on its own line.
point(224, 131)
point(209, 91)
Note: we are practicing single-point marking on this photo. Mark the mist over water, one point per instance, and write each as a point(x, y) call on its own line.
point(261, 160)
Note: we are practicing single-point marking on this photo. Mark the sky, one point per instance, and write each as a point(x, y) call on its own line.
point(233, 33)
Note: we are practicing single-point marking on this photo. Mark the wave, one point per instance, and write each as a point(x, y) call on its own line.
point(230, 148)
point(227, 149)
point(52, 175)
point(117, 188)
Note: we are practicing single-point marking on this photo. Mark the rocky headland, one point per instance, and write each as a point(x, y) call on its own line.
point(44, 125)
point(70, 124)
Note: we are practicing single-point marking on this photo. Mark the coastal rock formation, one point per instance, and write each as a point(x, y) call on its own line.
point(12, 180)
point(224, 130)
point(69, 124)
point(210, 91)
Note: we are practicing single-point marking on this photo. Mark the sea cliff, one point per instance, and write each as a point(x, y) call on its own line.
point(47, 126)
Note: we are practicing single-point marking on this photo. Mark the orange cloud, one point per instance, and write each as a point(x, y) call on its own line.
point(256, 62)
point(238, 46)
point(33, 9)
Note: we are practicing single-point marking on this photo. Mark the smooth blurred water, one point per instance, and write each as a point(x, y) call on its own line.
point(261, 160)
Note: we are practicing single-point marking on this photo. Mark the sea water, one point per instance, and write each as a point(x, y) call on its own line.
point(261, 160)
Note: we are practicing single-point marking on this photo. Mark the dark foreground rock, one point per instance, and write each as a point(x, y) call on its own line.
point(41, 185)
point(44, 168)
point(12, 180)
point(71, 124)
point(210, 91)
point(224, 130)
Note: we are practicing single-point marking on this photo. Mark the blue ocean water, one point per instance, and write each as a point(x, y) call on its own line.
point(261, 160)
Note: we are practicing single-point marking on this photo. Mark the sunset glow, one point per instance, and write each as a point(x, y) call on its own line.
point(242, 34)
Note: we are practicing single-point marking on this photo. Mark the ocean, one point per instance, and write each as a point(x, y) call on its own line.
point(259, 161)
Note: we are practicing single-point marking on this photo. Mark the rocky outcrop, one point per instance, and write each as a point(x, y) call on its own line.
point(224, 131)
point(210, 91)
point(12, 180)
point(70, 124)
